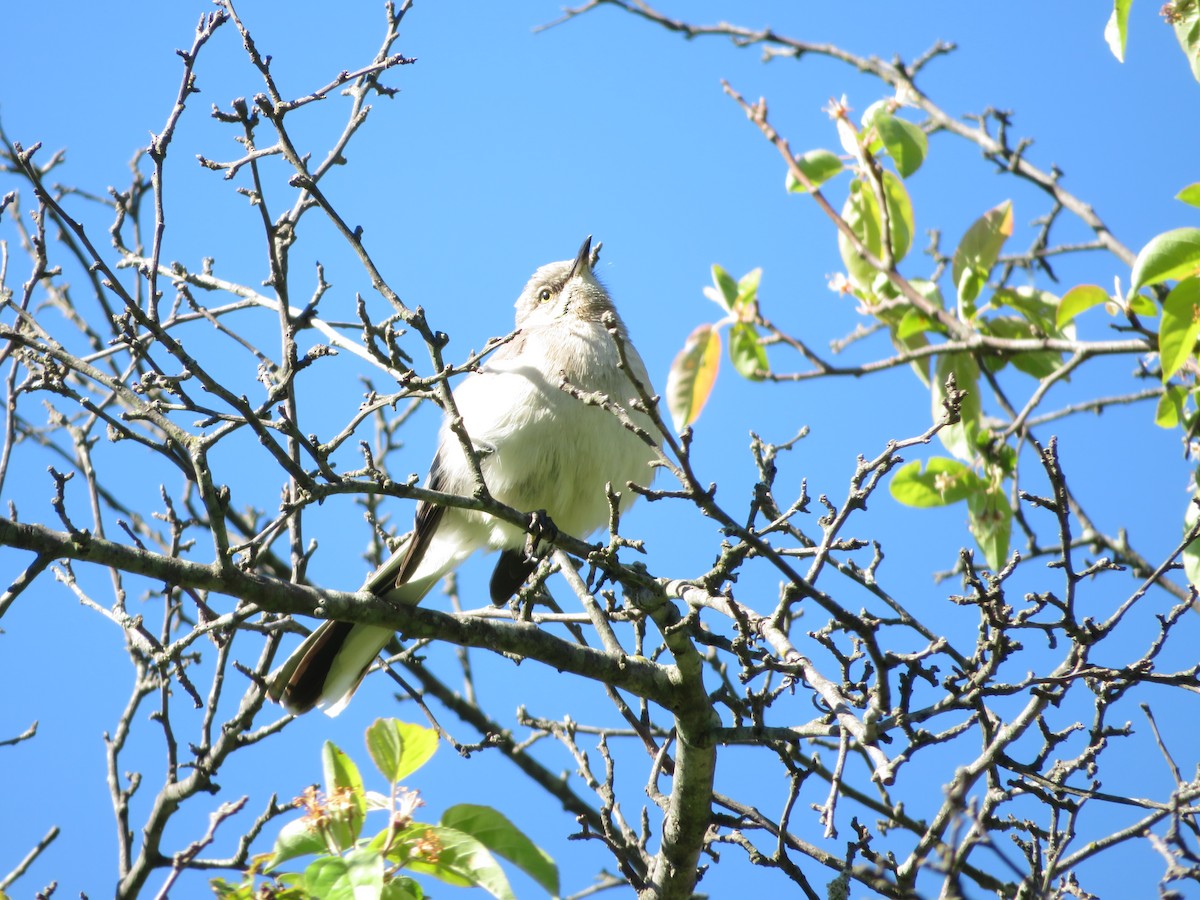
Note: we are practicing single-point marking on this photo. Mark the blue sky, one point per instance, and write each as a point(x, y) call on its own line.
point(503, 149)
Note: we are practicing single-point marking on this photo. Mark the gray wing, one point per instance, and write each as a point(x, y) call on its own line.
point(397, 570)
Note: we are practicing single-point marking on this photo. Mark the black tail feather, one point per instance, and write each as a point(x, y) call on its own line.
point(510, 573)
point(307, 680)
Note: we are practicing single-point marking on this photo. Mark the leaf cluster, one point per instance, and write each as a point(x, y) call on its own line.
point(457, 851)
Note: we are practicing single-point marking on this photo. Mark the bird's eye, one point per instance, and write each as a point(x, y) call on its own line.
point(544, 295)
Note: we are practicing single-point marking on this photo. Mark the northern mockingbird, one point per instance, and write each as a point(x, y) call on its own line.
point(539, 448)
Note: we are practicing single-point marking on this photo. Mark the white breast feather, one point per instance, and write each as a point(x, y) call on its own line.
point(558, 453)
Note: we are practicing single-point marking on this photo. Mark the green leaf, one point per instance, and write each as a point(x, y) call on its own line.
point(340, 771)
point(504, 839)
point(1190, 194)
point(399, 748)
point(958, 438)
point(1076, 300)
point(905, 142)
point(748, 355)
point(298, 837)
point(920, 364)
point(286, 886)
point(746, 305)
point(979, 249)
point(1143, 305)
point(727, 287)
point(869, 117)
point(459, 859)
point(1001, 456)
point(1038, 363)
point(223, 889)
point(929, 290)
point(1038, 308)
point(401, 888)
point(861, 212)
point(345, 798)
point(881, 286)
point(1185, 19)
point(329, 878)
point(1169, 411)
point(1114, 31)
point(908, 332)
point(968, 286)
point(1180, 326)
point(818, 165)
point(1191, 553)
point(943, 482)
point(989, 517)
point(915, 322)
point(692, 375)
point(1172, 254)
point(364, 870)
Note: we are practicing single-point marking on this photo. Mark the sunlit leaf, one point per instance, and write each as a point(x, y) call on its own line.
point(882, 287)
point(399, 748)
point(503, 838)
point(944, 481)
point(1038, 308)
point(979, 249)
point(958, 438)
point(455, 858)
point(915, 322)
point(920, 364)
point(746, 305)
point(1190, 194)
point(1180, 326)
point(1173, 254)
point(1078, 299)
point(1185, 19)
point(929, 290)
point(748, 355)
point(1038, 363)
point(869, 117)
point(861, 212)
point(909, 331)
point(1143, 305)
point(818, 165)
point(365, 873)
point(1169, 411)
point(969, 285)
point(990, 520)
point(1115, 30)
point(329, 879)
point(356, 876)
point(905, 142)
point(345, 798)
point(339, 770)
point(692, 374)
point(298, 837)
point(726, 289)
point(401, 888)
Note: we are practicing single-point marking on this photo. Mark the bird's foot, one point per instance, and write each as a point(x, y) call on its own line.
point(515, 566)
point(539, 530)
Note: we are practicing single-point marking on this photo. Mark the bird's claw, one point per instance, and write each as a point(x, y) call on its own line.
point(539, 530)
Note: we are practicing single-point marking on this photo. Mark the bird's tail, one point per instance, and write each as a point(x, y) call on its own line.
point(327, 668)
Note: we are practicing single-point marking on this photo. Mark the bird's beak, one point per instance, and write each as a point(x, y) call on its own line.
point(583, 259)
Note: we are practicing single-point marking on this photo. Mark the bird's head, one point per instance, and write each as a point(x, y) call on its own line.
point(564, 290)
